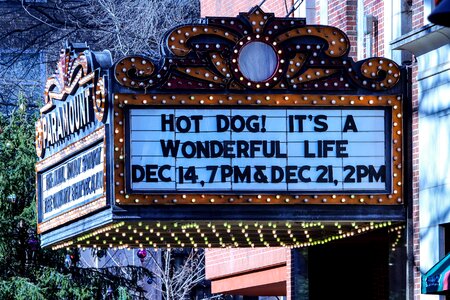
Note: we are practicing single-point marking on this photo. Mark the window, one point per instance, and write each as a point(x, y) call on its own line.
point(445, 231)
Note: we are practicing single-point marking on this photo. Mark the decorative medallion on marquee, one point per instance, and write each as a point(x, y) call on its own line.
point(257, 110)
point(70, 139)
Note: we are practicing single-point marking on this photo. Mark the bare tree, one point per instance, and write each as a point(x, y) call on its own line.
point(33, 32)
point(123, 26)
point(179, 271)
point(172, 274)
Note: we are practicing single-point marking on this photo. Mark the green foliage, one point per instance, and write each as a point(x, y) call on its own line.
point(18, 209)
point(21, 289)
point(17, 160)
point(17, 192)
point(27, 271)
point(123, 294)
point(61, 286)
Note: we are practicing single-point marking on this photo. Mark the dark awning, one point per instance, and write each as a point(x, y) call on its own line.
point(436, 280)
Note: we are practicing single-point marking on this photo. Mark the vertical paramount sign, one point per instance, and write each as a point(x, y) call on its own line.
point(258, 109)
point(70, 141)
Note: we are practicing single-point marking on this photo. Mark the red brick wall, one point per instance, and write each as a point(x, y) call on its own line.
point(376, 8)
point(231, 8)
point(289, 269)
point(415, 200)
point(342, 14)
point(417, 22)
point(317, 11)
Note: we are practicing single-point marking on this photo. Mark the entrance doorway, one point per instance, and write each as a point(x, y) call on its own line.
point(352, 269)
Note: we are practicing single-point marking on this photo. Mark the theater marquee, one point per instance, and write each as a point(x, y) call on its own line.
point(308, 149)
point(243, 120)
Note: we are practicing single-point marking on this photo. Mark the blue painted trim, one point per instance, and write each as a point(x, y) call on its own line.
point(437, 279)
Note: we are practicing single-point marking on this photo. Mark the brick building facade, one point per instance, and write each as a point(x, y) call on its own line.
point(395, 29)
point(385, 29)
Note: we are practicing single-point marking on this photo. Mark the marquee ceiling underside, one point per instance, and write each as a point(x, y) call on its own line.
point(222, 234)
